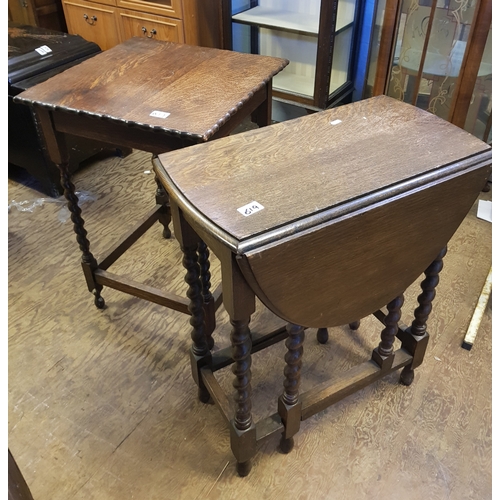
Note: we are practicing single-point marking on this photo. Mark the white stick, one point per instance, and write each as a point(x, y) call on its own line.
point(478, 314)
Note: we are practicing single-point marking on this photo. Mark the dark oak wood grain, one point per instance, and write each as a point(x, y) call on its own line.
point(154, 96)
point(373, 136)
point(102, 405)
point(326, 203)
point(317, 248)
point(201, 88)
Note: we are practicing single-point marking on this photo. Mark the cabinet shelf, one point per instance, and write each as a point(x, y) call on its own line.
point(294, 84)
point(279, 19)
point(298, 22)
point(318, 37)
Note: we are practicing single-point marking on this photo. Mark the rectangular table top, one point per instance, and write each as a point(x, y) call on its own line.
point(311, 169)
point(167, 87)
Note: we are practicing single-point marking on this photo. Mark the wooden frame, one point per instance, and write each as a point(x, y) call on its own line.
point(469, 68)
point(322, 98)
point(137, 56)
point(319, 247)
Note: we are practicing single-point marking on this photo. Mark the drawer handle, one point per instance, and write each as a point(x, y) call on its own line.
point(92, 21)
point(152, 33)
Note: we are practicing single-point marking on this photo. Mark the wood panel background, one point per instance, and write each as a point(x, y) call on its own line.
point(101, 403)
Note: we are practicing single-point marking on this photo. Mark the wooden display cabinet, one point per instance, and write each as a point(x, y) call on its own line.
point(317, 36)
point(110, 22)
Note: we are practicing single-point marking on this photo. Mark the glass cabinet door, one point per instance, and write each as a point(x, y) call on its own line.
point(431, 42)
point(440, 59)
point(316, 36)
point(478, 120)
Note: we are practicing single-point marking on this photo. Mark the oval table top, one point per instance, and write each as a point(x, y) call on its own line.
point(311, 165)
point(334, 214)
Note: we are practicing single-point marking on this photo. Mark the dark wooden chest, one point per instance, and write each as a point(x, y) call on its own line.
point(35, 55)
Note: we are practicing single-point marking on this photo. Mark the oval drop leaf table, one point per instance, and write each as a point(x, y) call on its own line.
point(326, 219)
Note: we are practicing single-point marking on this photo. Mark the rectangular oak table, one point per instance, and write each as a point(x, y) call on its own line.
point(326, 219)
point(154, 96)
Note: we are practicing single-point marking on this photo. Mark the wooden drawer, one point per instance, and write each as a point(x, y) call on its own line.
point(151, 26)
point(93, 22)
point(170, 8)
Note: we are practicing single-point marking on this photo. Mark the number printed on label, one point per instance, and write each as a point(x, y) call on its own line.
point(250, 208)
point(43, 50)
point(159, 114)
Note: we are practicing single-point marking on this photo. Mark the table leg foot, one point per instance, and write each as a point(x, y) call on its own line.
point(204, 395)
point(244, 446)
point(322, 335)
point(243, 468)
point(407, 376)
point(286, 445)
point(98, 300)
point(289, 405)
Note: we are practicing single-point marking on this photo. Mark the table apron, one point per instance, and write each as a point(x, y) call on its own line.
point(119, 133)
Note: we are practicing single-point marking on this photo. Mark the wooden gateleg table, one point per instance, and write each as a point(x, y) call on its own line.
point(154, 96)
point(326, 219)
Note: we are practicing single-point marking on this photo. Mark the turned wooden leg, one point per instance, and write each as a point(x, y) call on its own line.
point(208, 299)
point(89, 263)
point(164, 215)
point(416, 338)
point(322, 335)
point(383, 355)
point(243, 434)
point(428, 286)
point(289, 406)
point(199, 348)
